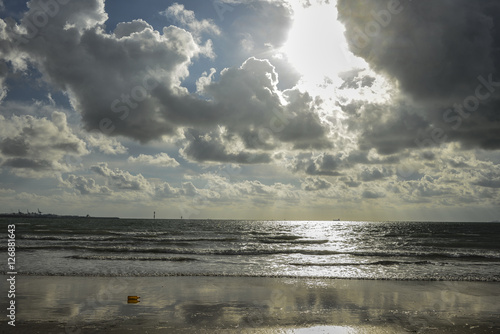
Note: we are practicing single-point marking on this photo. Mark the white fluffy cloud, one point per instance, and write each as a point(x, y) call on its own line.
point(186, 18)
point(85, 186)
point(123, 180)
point(107, 145)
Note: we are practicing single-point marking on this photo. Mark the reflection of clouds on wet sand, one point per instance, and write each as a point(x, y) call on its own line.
point(255, 303)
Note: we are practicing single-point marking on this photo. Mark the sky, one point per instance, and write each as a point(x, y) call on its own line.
point(251, 109)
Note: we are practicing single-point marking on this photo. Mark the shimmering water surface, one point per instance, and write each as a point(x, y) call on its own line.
point(340, 249)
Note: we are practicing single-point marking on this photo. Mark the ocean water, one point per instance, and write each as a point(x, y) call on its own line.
point(323, 249)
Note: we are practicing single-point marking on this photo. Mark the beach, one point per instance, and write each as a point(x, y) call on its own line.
point(253, 277)
point(191, 304)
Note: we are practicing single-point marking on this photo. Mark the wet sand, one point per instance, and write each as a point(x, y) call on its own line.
point(250, 305)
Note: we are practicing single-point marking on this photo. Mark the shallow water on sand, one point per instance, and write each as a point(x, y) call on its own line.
point(254, 305)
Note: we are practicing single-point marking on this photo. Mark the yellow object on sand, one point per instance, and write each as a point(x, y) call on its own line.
point(133, 301)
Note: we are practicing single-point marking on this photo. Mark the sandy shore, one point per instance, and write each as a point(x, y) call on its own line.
point(250, 305)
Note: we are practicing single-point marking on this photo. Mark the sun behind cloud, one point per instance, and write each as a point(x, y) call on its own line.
point(316, 44)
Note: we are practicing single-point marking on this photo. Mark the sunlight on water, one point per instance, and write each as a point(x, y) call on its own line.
point(333, 249)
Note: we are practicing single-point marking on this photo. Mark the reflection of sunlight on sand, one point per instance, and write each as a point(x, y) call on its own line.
point(341, 330)
point(256, 305)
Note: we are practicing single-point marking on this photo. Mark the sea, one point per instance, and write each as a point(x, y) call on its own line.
point(248, 248)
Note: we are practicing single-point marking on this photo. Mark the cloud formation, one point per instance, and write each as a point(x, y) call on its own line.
point(187, 19)
point(3, 77)
point(114, 80)
point(123, 180)
point(129, 83)
point(443, 56)
point(160, 159)
point(85, 186)
point(92, 105)
point(36, 147)
point(315, 184)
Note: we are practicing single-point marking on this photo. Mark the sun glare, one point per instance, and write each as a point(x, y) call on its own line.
point(316, 45)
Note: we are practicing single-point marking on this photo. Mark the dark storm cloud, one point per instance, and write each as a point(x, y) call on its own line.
point(441, 53)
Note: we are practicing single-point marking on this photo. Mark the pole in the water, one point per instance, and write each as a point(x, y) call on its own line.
point(154, 214)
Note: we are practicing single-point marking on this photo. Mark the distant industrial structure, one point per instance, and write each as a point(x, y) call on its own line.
point(40, 214)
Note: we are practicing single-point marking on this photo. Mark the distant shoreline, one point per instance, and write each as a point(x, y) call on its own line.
point(48, 215)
